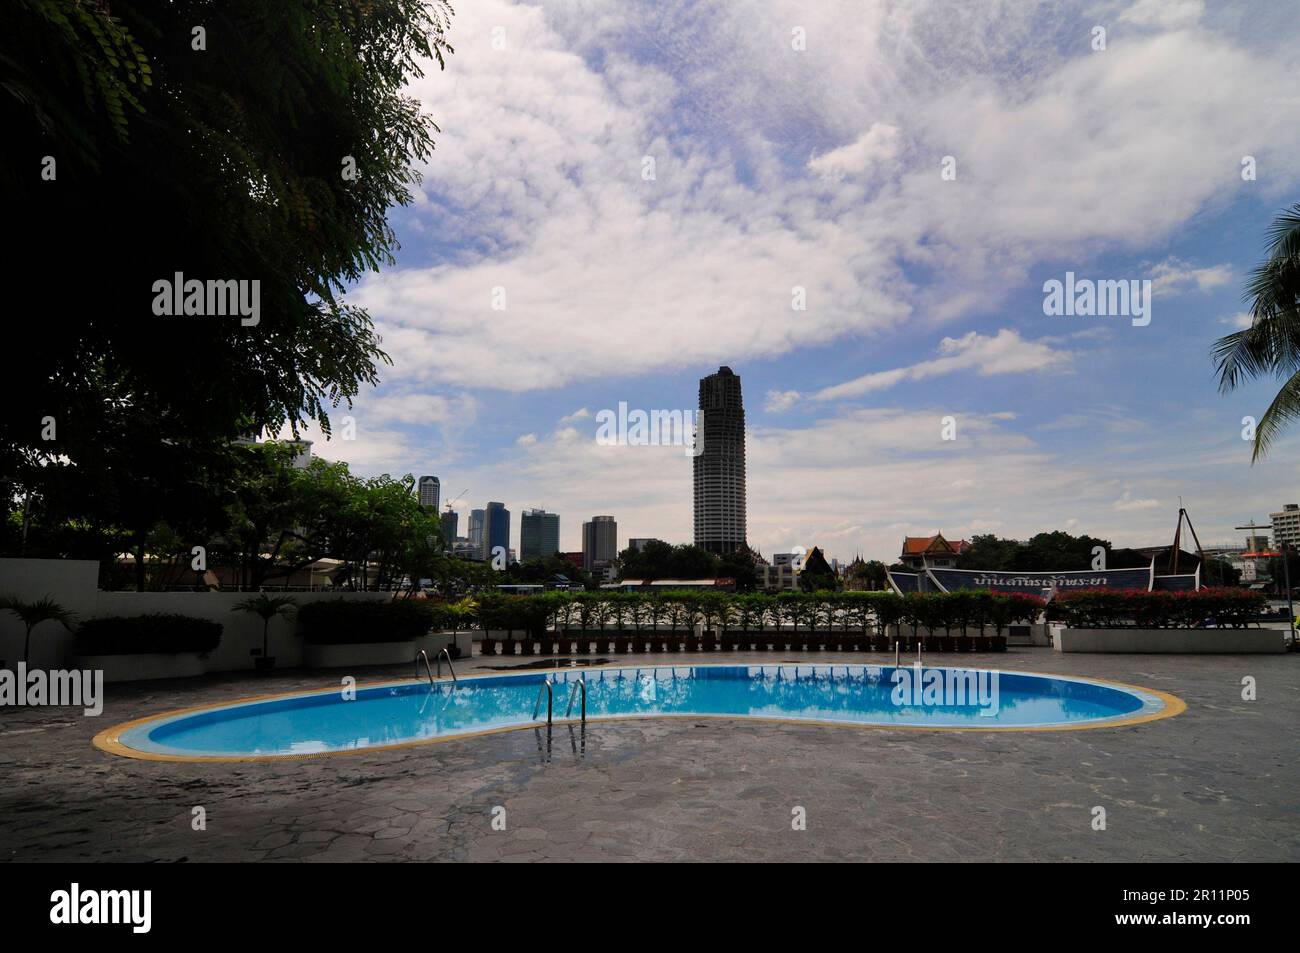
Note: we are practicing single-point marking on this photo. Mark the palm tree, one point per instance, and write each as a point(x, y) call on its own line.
point(34, 613)
point(267, 607)
point(1271, 345)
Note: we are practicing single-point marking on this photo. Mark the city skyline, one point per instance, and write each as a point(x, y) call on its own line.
point(923, 297)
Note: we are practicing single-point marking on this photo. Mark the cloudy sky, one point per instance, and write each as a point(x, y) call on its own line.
point(545, 276)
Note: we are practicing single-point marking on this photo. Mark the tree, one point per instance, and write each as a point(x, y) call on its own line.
point(221, 157)
point(33, 614)
point(266, 608)
point(1271, 345)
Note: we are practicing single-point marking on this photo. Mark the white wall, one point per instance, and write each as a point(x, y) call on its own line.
point(73, 584)
point(243, 630)
point(1170, 641)
point(70, 582)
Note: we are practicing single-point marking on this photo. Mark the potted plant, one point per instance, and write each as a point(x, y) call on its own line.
point(266, 608)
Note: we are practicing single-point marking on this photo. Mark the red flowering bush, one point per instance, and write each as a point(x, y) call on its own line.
point(1162, 609)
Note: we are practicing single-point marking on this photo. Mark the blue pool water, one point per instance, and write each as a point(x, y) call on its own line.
point(852, 694)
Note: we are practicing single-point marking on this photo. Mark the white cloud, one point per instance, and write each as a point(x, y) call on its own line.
point(526, 440)
point(780, 400)
point(1127, 502)
point(1167, 14)
point(1239, 321)
point(582, 413)
point(1060, 152)
point(1003, 353)
point(1174, 276)
point(877, 144)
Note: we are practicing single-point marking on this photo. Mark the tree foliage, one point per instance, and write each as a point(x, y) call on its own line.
point(220, 163)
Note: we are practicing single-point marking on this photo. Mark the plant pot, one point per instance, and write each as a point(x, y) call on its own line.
point(620, 644)
point(692, 643)
point(488, 646)
point(999, 643)
point(727, 642)
point(508, 646)
point(983, 643)
point(933, 643)
point(672, 642)
point(526, 645)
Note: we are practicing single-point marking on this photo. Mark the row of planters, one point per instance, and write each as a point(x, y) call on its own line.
point(621, 642)
point(562, 623)
point(1139, 609)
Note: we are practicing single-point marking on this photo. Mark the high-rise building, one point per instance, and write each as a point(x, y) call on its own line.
point(1286, 526)
point(476, 528)
point(599, 542)
point(450, 519)
point(638, 542)
point(430, 490)
point(720, 464)
point(539, 534)
point(496, 529)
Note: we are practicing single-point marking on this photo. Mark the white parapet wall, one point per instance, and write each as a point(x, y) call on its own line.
point(1170, 641)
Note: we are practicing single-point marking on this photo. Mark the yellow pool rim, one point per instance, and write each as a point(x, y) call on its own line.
point(109, 740)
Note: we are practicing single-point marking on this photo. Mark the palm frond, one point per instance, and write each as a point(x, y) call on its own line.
point(1284, 409)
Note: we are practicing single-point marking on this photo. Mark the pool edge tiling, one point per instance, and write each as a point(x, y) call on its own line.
point(122, 739)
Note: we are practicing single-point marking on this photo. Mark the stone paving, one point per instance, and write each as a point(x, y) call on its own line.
point(1217, 783)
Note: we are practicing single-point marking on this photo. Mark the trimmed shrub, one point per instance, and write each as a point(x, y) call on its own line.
point(344, 621)
point(160, 633)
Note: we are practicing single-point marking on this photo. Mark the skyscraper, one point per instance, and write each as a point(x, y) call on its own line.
point(450, 519)
point(430, 490)
point(539, 534)
point(720, 464)
point(599, 542)
point(496, 529)
point(475, 529)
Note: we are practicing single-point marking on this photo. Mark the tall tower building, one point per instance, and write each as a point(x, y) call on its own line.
point(720, 464)
point(539, 534)
point(599, 542)
point(496, 529)
point(450, 519)
point(475, 528)
point(430, 490)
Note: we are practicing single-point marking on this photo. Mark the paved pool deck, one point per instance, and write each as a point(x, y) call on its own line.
point(1219, 782)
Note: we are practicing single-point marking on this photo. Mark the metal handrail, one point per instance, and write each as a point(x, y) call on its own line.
point(422, 654)
point(450, 668)
point(550, 699)
point(581, 683)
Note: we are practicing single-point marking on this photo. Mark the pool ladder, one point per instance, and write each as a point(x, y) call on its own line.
point(422, 654)
point(548, 688)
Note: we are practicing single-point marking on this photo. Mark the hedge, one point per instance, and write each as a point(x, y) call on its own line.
point(160, 633)
point(1137, 608)
point(344, 621)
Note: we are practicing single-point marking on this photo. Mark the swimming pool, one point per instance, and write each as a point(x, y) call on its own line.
point(415, 712)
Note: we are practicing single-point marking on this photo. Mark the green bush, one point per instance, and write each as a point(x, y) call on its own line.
point(344, 621)
point(160, 633)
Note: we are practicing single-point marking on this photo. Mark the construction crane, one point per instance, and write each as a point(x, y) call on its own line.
point(452, 502)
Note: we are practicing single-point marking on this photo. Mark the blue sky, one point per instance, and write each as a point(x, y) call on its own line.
point(803, 148)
